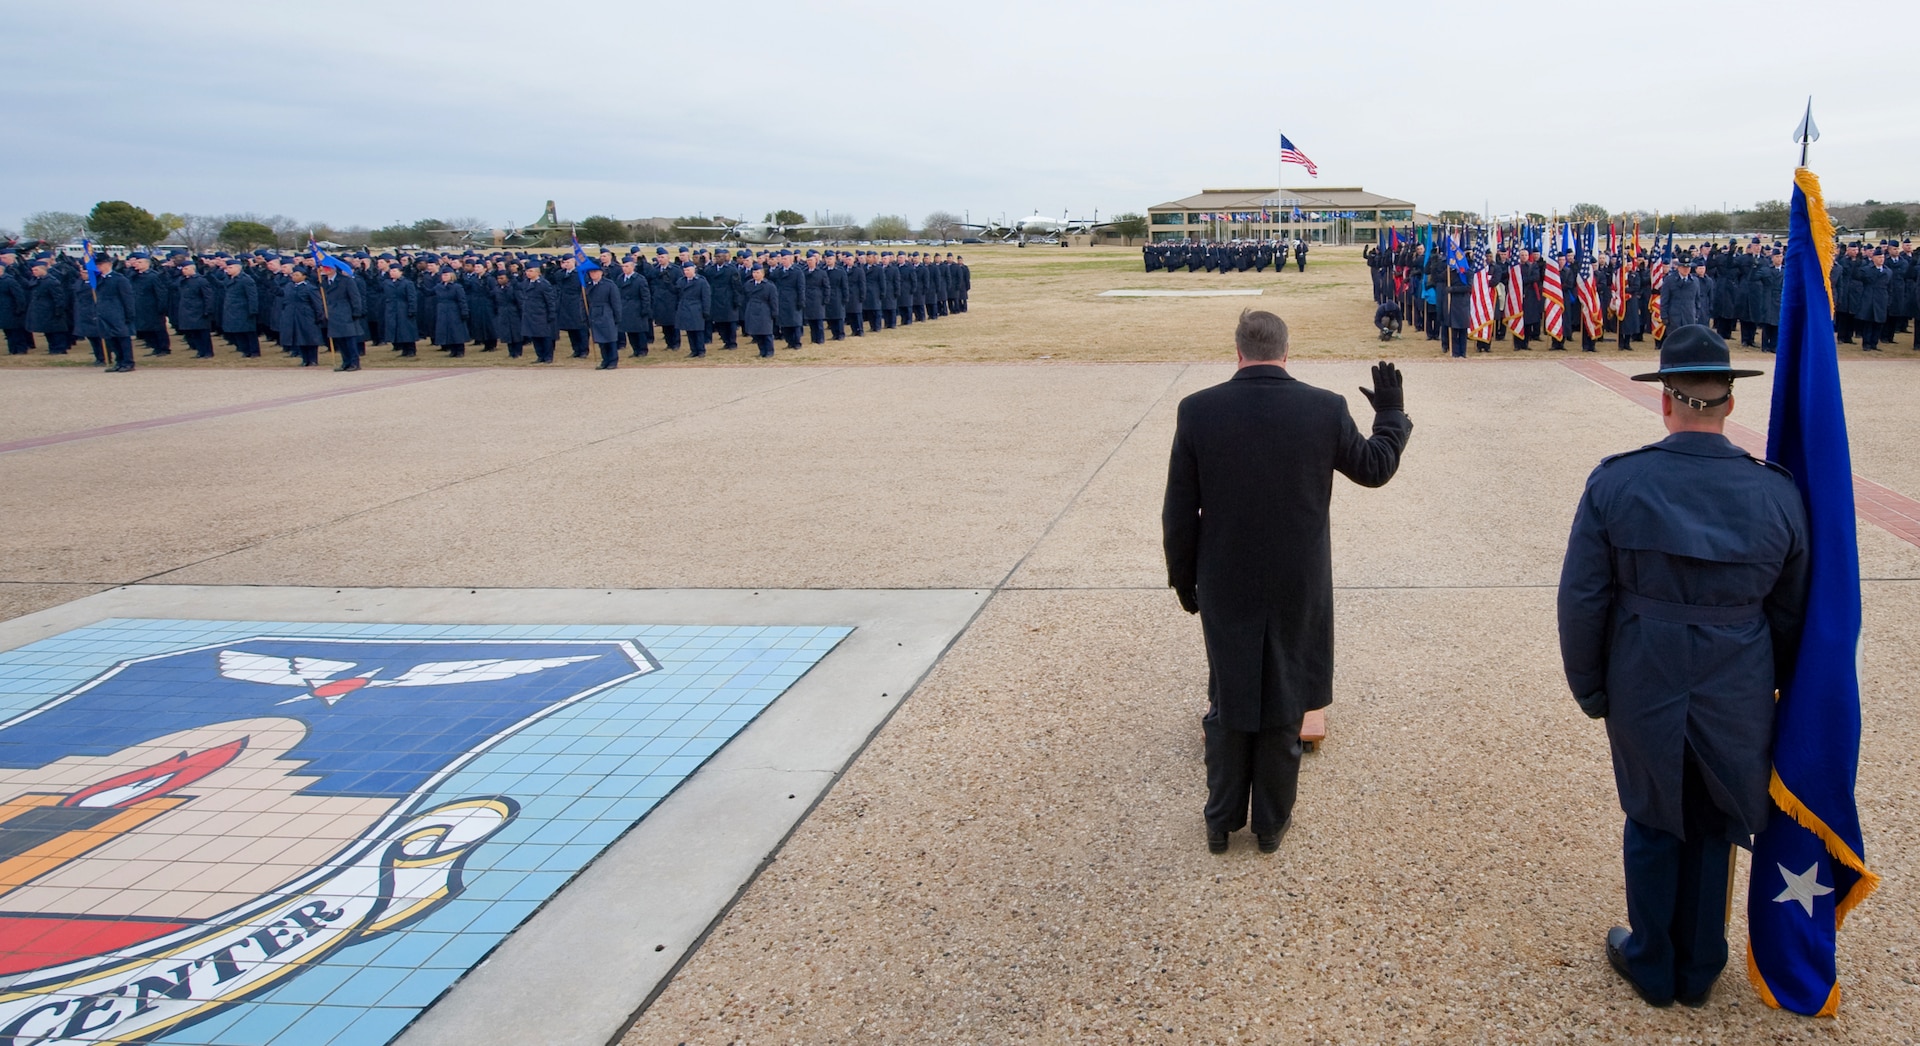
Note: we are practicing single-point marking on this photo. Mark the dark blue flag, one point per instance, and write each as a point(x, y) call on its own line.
point(1809, 864)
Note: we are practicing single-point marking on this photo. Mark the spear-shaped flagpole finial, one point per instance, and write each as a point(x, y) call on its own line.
point(1807, 132)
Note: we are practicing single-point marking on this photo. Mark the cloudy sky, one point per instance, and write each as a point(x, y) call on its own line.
point(371, 113)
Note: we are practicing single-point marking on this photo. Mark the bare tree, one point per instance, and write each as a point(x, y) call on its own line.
point(201, 230)
point(835, 219)
point(942, 225)
point(888, 227)
point(54, 226)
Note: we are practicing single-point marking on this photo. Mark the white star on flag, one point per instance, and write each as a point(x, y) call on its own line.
point(1803, 887)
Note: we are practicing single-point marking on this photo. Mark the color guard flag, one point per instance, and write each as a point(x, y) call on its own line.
point(324, 260)
point(1290, 154)
point(1809, 866)
point(581, 263)
point(93, 268)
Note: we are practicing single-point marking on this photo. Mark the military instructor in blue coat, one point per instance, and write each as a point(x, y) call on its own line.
point(1680, 606)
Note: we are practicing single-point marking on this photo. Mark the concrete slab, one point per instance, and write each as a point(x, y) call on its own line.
point(1020, 854)
point(856, 478)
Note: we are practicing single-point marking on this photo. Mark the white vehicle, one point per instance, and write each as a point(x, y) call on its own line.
point(755, 233)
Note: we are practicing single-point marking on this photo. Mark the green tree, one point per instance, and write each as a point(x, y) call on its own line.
point(390, 236)
point(1768, 216)
point(117, 221)
point(1129, 227)
point(1587, 212)
point(54, 226)
point(244, 235)
point(1890, 220)
point(697, 230)
point(787, 218)
point(888, 227)
point(602, 229)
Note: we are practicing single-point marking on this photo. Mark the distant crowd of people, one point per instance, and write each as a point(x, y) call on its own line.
point(1517, 294)
point(1224, 255)
point(307, 301)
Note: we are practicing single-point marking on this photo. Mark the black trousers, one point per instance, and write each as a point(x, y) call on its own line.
point(1456, 341)
point(159, 342)
point(854, 323)
point(1769, 336)
point(120, 352)
point(309, 355)
point(671, 335)
point(1843, 326)
point(609, 354)
point(201, 342)
point(513, 347)
point(837, 328)
point(577, 339)
point(542, 349)
point(888, 316)
point(1747, 328)
point(906, 315)
point(409, 348)
point(636, 340)
point(1677, 895)
point(791, 335)
point(349, 350)
point(817, 331)
point(1245, 770)
point(765, 341)
point(1723, 326)
point(247, 342)
point(696, 343)
point(19, 341)
point(58, 342)
point(1869, 334)
point(726, 329)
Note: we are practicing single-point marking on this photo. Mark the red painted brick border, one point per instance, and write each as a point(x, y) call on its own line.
point(1882, 506)
point(221, 412)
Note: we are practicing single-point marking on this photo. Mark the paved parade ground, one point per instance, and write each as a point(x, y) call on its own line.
point(776, 556)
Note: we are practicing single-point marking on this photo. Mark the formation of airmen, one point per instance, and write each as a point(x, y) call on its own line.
point(306, 301)
point(1224, 255)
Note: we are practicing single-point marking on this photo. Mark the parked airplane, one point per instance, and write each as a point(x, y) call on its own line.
point(757, 233)
point(1039, 228)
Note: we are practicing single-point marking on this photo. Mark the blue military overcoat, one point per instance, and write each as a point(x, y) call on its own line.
point(1680, 604)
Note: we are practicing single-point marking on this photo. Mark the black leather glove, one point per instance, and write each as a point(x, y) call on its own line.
point(1594, 704)
point(1387, 393)
point(1189, 602)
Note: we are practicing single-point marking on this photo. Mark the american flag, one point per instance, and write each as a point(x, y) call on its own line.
point(1516, 290)
point(1658, 278)
point(1589, 290)
point(1552, 301)
point(1290, 154)
point(1480, 318)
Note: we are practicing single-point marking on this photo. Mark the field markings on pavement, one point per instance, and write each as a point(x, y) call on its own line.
point(1876, 503)
point(1253, 293)
point(221, 412)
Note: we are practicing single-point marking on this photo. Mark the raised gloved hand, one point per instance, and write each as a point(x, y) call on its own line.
point(1189, 602)
point(1595, 705)
point(1387, 393)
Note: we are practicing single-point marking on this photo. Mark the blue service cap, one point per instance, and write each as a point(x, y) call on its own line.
point(659, 250)
point(886, 254)
point(135, 254)
point(786, 254)
point(746, 252)
point(811, 253)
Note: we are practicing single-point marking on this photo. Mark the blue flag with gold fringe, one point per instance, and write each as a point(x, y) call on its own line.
point(1809, 866)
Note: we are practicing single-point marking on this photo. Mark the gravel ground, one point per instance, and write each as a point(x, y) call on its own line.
point(1019, 855)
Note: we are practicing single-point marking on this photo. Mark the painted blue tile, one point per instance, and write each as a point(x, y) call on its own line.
point(581, 775)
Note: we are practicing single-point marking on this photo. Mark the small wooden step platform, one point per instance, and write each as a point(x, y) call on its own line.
point(1313, 729)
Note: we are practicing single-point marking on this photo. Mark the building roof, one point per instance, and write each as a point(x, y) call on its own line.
point(1316, 198)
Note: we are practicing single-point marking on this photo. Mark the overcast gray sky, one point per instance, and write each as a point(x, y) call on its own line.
point(370, 113)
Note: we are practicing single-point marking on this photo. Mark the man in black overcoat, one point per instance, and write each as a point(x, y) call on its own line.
point(1680, 607)
point(1247, 545)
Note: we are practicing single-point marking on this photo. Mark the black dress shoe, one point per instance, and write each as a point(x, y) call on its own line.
point(1694, 1002)
point(1271, 841)
point(1617, 958)
point(1216, 842)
